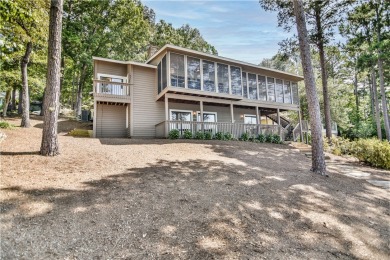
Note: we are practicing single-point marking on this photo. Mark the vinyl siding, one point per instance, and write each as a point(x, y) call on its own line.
point(223, 113)
point(110, 68)
point(111, 121)
point(146, 111)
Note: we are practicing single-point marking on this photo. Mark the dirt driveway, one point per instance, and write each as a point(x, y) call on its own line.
point(162, 199)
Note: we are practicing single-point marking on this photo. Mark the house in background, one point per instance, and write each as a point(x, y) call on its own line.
point(187, 90)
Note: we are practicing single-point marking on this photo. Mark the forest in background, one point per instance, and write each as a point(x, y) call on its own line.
point(124, 30)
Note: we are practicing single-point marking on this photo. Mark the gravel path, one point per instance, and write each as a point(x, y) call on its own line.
point(163, 199)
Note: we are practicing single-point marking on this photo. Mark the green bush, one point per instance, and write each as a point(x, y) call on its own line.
point(373, 152)
point(6, 125)
point(208, 135)
point(245, 137)
point(276, 139)
point(187, 134)
point(174, 134)
point(269, 138)
point(219, 136)
point(199, 135)
point(227, 136)
point(261, 138)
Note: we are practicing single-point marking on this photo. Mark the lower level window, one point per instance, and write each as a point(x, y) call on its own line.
point(250, 119)
point(181, 115)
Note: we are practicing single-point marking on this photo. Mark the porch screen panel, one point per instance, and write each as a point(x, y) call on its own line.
point(279, 90)
point(244, 85)
point(262, 88)
point(287, 92)
point(235, 77)
point(177, 70)
point(208, 76)
point(223, 78)
point(164, 72)
point(271, 89)
point(193, 73)
point(295, 95)
point(252, 86)
point(159, 78)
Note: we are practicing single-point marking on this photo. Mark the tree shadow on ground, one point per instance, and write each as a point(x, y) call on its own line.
point(198, 209)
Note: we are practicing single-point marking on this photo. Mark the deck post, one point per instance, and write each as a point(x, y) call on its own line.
point(279, 128)
point(232, 112)
point(166, 116)
point(257, 119)
point(94, 117)
point(201, 115)
point(300, 125)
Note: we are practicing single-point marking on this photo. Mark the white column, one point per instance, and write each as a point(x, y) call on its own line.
point(232, 112)
point(166, 116)
point(279, 127)
point(201, 114)
point(257, 119)
point(95, 115)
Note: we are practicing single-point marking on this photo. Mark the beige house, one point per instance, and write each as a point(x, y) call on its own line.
point(188, 90)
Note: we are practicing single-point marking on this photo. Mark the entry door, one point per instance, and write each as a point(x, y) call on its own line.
point(208, 118)
point(184, 117)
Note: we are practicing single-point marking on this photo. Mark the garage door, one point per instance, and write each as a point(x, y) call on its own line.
point(111, 121)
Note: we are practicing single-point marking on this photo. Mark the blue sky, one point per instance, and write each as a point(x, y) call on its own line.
point(239, 30)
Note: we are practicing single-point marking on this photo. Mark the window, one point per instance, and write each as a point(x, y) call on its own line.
point(244, 85)
point(235, 77)
point(159, 78)
point(164, 72)
point(262, 88)
point(208, 117)
point(271, 89)
point(193, 73)
point(223, 78)
point(250, 119)
point(295, 95)
point(287, 92)
point(252, 86)
point(110, 87)
point(279, 90)
point(177, 70)
point(178, 115)
point(208, 76)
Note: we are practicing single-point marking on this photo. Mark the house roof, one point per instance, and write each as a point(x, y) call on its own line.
point(126, 62)
point(243, 64)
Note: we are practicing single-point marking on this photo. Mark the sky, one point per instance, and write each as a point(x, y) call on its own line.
point(239, 29)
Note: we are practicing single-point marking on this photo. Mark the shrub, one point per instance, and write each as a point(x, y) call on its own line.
point(252, 139)
point(268, 138)
point(200, 135)
point(228, 136)
point(174, 134)
point(245, 137)
point(6, 125)
point(208, 135)
point(261, 138)
point(373, 152)
point(187, 134)
point(219, 136)
point(276, 139)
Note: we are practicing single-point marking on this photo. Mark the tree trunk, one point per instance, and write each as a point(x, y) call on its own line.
point(13, 102)
point(20, 102)
point(79, 99)
point(318, 158)
point(25, 93)
point(49, 145)
point(376, 103)
point(6, 102)
point(384, 103)
point(324, 75)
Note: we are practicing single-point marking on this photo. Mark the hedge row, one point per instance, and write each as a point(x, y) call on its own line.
point(371, 151)
point(261, 138)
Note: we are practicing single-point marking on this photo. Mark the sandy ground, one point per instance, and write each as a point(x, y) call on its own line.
point(163, 199)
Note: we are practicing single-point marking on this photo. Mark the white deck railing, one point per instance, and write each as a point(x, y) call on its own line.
point(235, 129)
point(111, 88)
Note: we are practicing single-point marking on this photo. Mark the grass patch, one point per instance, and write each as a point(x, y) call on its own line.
point(80, 133)
point(6, 125)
